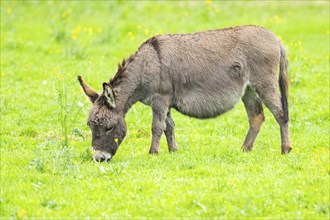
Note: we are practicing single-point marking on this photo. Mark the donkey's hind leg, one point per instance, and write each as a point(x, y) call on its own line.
point(254, 110)
point(271, 98)
point(169, 133)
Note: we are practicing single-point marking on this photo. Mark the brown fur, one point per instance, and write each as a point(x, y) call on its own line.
point(155, 44)
point(120, 75)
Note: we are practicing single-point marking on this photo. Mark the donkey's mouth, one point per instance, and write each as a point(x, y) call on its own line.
point(101, 156)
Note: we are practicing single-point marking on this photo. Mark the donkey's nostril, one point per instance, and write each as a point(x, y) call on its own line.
point(101, 156)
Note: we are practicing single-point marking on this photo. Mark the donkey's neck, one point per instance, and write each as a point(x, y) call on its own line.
point(127, 82)
point(127, 95)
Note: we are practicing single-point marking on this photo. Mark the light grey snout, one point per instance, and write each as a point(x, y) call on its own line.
point(101, 156)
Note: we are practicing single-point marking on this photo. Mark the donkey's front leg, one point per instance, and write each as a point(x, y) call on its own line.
point(159, 110)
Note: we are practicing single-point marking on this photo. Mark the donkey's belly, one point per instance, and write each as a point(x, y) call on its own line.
point(200, 105)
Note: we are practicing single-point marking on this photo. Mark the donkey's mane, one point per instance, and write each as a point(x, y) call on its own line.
point(121, 73)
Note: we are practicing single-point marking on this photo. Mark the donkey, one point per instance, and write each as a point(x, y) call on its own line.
point(201, 75)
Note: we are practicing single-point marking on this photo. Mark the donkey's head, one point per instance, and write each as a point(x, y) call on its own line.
point(106, 123)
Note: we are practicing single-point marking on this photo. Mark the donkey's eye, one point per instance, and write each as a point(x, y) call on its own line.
point(107, 130)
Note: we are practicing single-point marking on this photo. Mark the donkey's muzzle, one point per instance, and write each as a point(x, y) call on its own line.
point(101, 156)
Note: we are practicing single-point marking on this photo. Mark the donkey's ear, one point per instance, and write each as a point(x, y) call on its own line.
point(89, 91)
point(109, 95)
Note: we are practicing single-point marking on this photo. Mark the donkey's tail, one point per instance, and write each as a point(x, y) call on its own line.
point(284, 83)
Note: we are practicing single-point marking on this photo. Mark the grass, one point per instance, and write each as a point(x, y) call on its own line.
point(46, 166)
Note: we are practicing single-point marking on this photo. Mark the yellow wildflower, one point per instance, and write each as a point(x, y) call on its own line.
point(21, 213)
point(38, 213)
point(131, 35)
point(208, 2)
point(90, 31)
point(146, 31)
point(64, 14)
point(8, 10)
point(75, 32)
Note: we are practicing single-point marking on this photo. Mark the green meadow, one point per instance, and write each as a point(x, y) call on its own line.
point(46, 166)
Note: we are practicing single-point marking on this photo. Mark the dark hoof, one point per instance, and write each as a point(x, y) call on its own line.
point(153, 151)
point(286, 150)
point(172, 150)
point(246, 149)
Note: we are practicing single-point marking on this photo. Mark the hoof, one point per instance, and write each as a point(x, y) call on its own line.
point(172, 150)
point(286, 150)
point(246, 149)
point(153, 151)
